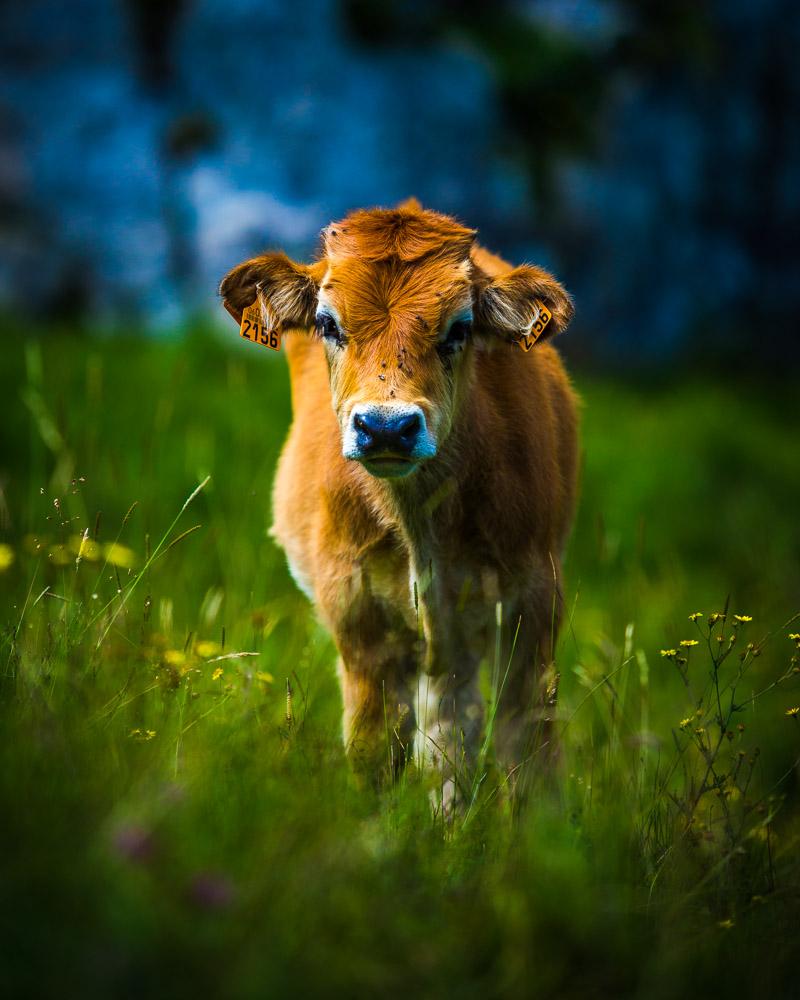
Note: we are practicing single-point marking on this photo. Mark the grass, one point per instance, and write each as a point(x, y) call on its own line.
point(170, 828)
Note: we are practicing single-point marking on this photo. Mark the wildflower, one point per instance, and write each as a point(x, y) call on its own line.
point(792, 713)
point(212, 891)
point(795, 637)
point(668, 653)
point(142, 735)
point(685, 723)
point(120, 555)
point(264, 677)
point(206, 648)
point(33, 544)
point(699, 731)
point(688, 642)
point(717, 616)
point(59, 555)
point(6, 557)
point(217, 674)
point(174, 657)
point(726, 924)
point(741, 619)
point(695, 616)
point(133, 843)
point(85, 548)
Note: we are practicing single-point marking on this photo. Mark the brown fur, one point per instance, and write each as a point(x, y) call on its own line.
point(481, 523)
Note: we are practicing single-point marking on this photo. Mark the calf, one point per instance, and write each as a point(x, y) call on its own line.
point(427, 484)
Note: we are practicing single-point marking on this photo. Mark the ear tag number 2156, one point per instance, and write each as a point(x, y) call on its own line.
point(253, 328)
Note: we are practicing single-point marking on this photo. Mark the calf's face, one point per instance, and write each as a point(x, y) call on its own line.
point(395, 335)
point(399, 304)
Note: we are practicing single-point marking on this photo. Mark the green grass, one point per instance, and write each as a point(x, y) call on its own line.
point(168, 832)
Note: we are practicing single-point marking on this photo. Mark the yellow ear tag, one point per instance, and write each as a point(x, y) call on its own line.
point(527, 340)
point(253, 328)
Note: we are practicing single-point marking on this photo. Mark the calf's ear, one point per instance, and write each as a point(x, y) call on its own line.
point(286, 289)
point(508, 305)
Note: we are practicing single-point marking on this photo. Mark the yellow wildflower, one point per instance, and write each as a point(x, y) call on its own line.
point(688, 642)
point(206, 648)
point(142, 735)
point(792, 713)
point(669, 653)
point(120, 555)
point(85, 548)
point(6, 557)
point(217, 674)
point(33, 544)
point(685, 723)
point(695, 616)
point(742, 618)
point(59, 555)
point(726, 924)
point(174, 657)
point(264, 677)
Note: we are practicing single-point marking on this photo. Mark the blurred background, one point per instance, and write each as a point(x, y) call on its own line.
point(647, 152)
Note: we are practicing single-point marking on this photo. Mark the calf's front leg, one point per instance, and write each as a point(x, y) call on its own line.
point(377, 668)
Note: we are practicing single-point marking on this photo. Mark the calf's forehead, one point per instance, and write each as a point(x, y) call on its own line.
point(371, 296)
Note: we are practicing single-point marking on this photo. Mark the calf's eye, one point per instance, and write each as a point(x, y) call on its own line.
point(456, 336)
point(327, 328)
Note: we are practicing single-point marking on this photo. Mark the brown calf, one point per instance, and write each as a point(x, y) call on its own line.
point(427, 485)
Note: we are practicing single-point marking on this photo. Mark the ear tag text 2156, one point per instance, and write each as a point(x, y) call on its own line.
point(527, 340)
point(253, 328)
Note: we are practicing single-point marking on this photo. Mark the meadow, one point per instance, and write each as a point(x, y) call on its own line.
point(178, 818)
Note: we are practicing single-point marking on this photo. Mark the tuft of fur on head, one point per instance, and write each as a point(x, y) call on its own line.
point(406, 233)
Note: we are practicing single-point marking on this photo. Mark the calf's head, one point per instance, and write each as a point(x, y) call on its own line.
point(400, 302)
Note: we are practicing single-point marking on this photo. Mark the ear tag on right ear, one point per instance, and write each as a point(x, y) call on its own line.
point(527, 340)
point(253, 328)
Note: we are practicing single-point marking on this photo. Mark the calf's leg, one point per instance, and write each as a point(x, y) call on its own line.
point(377, 668)
point(378, 720)
point(450, 720)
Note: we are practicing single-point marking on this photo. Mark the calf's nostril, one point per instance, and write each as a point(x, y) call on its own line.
point(409, 426)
